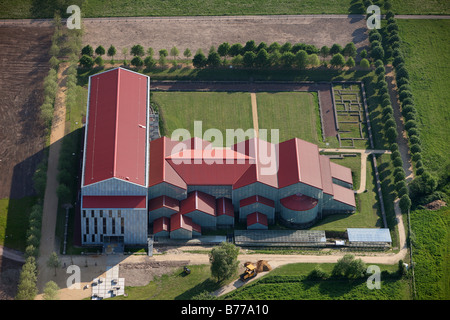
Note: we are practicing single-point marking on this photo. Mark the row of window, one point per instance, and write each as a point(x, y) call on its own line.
point(86, 213)
point(122, 226)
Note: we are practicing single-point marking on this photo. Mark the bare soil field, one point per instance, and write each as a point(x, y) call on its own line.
point(203, 32)
point(24, 64)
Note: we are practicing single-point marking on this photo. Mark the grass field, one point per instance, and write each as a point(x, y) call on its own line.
point(101, 8)
point(431, 253)
point(289, 283)
point(220, 110)
point(427, 54)
point(14, 214)
point(294, 114)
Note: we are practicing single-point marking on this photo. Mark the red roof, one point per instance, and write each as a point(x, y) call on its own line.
point(163, 202)
point(299, 202)
point(327, 182)
point(116, 127)
point(256, 217)
point(199, 201)
point(177, 221)
point(256, 199)
point(264, 166)
point(114, 202)
point(224, 206)
point(161, 224)
point(344, 195)
point(299, 162)
point(341, 173)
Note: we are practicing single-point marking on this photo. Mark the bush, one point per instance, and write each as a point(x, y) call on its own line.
point(410, 124)
point(149, 62)
point(349, 267)
point(413, 132)
point(364, 63)
point(199, 60)
point(86, 61)
point(338, 60)
point(88, 51)
point(377, 53)
point(317, 273)
point(213, 59)
point(390, 123)
point(405, 94)
point(401, 72)
point(391, 134)
point(249, 58)
point(415, 148)
point(385, 103)
point(335, 49)
point(405, 203)
point(235, 49)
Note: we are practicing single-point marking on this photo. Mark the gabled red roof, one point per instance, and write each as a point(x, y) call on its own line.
point(114, 202)
point(199, 201)
point(299, 202)
point(163, 202)
point(344, 195)
point(265, 164)
point(224, 206)
point(177, 221)
point(341, 173)
point(256, 217)
point(299, 162)
point(116, 140)
point(256, 199)
point(161, 224)
point(327, 182)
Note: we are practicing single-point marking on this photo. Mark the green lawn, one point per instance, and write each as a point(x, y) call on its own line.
point(431, 253)
point(289, 283)
point(427, 54)
point(14, 215)
point(219, 110)
point(294, 114)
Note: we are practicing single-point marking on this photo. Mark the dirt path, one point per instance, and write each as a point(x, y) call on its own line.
point(255, 113)
point(402, 139)
point(47, 244)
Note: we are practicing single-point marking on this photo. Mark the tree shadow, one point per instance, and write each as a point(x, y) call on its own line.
point(207, 285)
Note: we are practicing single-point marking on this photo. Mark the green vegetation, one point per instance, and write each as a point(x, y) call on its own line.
point(294, 114)
point(431, 253)
point(218, 110)
point(299, 282)
point(426, 49)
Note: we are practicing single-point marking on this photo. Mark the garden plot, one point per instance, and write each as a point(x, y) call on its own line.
point(351, 121)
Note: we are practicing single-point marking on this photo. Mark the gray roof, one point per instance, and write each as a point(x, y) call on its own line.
point(279, 236)
point(369, 235)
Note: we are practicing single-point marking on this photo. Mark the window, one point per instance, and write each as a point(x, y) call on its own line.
point(110, 213)
point(95, 226)
point(92, 213)
point(104, 225)
point(122, 226)
point(101, 213)
point(84, 213)
point(84, 238)
point(93, 238)
point(113, 225)
point(87, 225)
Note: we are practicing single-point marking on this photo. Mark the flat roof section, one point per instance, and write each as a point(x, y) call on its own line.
point(279, 237)
point(369, 235)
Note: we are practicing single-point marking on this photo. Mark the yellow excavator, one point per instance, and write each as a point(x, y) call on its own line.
point(250, 272)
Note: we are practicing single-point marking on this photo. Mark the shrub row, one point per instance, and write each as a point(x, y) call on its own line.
point(424, 183)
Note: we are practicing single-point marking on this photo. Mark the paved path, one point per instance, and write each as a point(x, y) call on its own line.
point(255, 114)
point(50, 210)
point(364, 154)
point(11, 254)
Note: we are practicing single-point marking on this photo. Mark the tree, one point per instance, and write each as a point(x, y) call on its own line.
point(286, 47)
point(287, 59)
point(335, 49)
point(301, 59)
point(363, 54)
point(349, 50)
point(223, 49)
point(150, 52)
point(262, 58)
point(137, 62)
point(149, 62)
point(391, 134)
point(111, 52)
point(174, 52)
point(350, 62)
point(364, 63)
point(224, 262)
point(249, 59)
point(199, 60)
point(338, 60)
point(213, 59)
point(313, 60)
point(100, 51)
point(87, 50)
point(324, 51)
point(250, 46)
point(187, 53)
point(275, 46)
point(405, 203)
point(349, 267)
point(137, 50)
point(125, 53)
point(64, 193)
point(235, 49)
point(53, 261)
point(86, 61)
point(98, 61)
point(51, 291)
point(377, 52)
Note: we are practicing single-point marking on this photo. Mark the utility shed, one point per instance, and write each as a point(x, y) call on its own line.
point(369, 237)
point(280, 238)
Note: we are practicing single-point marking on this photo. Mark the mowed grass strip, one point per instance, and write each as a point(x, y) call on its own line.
point(294, 114)
point(427, 50)
point(218, 110)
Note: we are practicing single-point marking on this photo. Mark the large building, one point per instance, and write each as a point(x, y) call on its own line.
point(133, 187)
